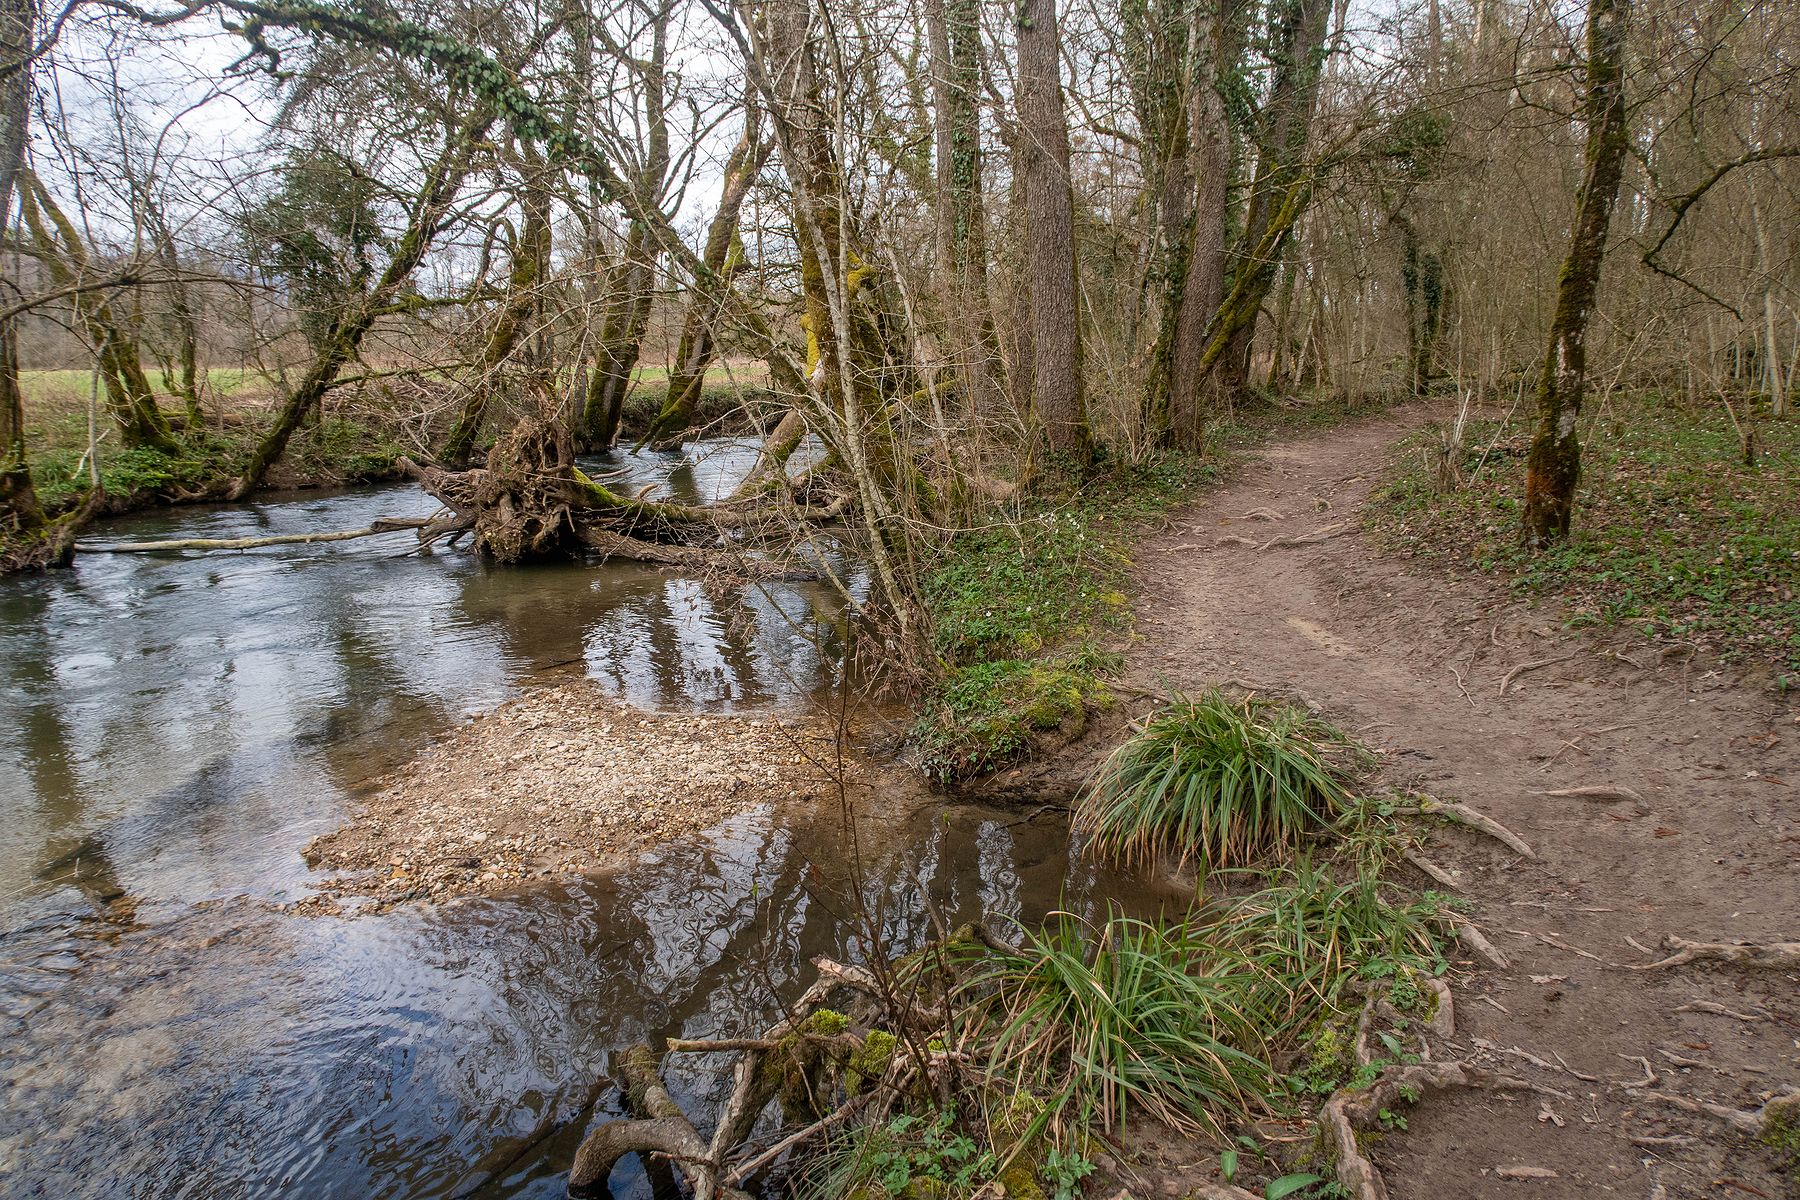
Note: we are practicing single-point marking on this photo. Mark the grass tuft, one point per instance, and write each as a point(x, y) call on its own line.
point(1120, 1016)
point(1216, 781)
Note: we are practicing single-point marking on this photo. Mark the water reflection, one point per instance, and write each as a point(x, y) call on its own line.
point(455, 1052)
point(195, 705)
point(180, 726)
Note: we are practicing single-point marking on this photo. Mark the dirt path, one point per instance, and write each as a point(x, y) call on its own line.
point(1712, 852)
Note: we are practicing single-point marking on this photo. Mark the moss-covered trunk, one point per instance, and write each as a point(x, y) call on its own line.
point(1553, 466)
point(1278, 193)
point(130, 399)
point(954, 31)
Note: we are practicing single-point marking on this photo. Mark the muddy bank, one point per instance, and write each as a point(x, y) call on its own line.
point(565, 780)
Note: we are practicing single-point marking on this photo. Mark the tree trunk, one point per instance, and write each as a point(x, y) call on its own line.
point(1218, 39)
point(954, 28)
point(622, 334)
point(1553, 466)
point(707, 297)
point(1059, 399)
point(443, 181)
point(530, 268)
point(19, 511)
point(1298, 51)
point(130, 398)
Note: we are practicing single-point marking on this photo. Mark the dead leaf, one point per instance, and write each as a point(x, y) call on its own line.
point(1549, 979)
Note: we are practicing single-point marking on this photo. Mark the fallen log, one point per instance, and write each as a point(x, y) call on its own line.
point(385, 525)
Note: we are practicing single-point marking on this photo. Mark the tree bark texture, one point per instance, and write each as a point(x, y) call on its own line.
point(1553, 466)
point(1059, 398)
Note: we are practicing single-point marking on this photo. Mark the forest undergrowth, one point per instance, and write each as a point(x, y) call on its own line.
point(1688, 527)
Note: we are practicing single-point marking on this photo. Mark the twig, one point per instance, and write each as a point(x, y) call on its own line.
point(1717, 1010)
point(1550, 939)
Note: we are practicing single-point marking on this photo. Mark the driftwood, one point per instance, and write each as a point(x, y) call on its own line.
point(384, 525)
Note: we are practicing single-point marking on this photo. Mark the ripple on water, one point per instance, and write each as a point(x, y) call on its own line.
point(183, 725)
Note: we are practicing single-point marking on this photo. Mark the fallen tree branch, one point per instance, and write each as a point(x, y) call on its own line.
point(385, 525)
point(695, 558)
point(1775, 956)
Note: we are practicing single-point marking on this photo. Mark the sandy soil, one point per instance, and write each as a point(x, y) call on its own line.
point(1415, 662)
point(562, 780)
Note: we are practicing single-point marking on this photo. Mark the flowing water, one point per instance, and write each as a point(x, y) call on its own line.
point(178, 727)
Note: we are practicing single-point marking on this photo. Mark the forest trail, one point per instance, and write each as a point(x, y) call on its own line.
point(1415, 664)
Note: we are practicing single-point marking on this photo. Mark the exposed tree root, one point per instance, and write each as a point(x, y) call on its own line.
point(1324, 534)
point(1522, 668)
point(1438, 874)
point(1349, 1111)
point(1477, 942)
point(1605, 791)
point(1462, 814)
point(1774, 956)
point(1751, 1122)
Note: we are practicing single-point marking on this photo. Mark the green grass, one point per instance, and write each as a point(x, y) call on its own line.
point(1180, 1022)
point(1121, 1016)
point(1025, 612)
point(1216, 781)
point(1673, 533)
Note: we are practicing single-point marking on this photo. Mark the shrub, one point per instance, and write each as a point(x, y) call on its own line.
point(1215, 780)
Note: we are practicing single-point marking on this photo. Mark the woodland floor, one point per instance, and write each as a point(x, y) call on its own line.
point(1413, 660)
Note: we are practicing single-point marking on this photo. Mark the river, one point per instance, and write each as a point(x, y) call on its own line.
point(180, 726)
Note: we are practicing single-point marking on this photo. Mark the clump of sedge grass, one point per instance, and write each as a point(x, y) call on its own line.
point(1103, 1019)
point(1217, 781)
